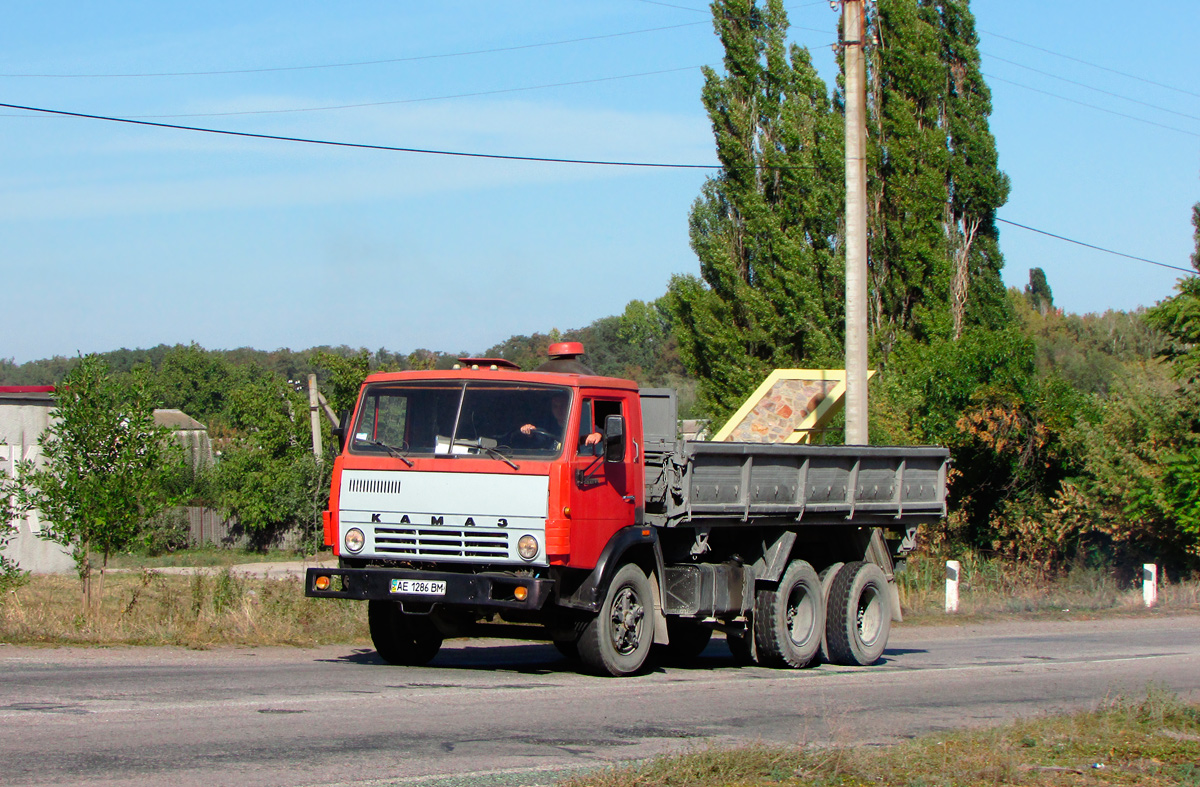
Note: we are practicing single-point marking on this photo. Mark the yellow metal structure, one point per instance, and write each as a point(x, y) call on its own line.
point(790, 406)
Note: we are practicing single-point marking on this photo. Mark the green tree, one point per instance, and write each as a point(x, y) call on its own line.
point(105, 467)
point(1196, 235)
point(191, 379)
point(343, 377)
point(1038, 293)
point(765, 227)
point(267, 476)
point(1002, 424)
point(934, 254)
point(1142, 449)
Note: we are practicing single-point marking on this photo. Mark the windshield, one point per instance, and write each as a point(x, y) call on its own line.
point(462, 418)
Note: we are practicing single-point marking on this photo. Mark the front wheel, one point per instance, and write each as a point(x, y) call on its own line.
point(617, 640)
point(405, 640)
point(859, 616)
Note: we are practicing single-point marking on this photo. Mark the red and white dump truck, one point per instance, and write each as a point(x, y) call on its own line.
point(473, 503)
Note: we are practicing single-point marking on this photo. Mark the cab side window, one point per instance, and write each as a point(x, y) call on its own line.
point(602, 409)
point(585, 426)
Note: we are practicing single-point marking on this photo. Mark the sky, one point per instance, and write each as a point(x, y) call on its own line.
point(115, 235)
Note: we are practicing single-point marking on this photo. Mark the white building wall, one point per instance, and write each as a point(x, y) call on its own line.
point(22, 421)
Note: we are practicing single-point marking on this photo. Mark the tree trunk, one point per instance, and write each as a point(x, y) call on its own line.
point(100, 585)
point(962, 273)
point(85, 578)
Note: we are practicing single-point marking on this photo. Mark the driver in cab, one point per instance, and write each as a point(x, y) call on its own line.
point(558, 410)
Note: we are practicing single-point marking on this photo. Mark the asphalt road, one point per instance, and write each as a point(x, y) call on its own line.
point(516, 713)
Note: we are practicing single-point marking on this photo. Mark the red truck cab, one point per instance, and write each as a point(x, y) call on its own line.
point(487, 464)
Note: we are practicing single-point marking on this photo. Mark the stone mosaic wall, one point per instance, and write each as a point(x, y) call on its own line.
point(777, 414)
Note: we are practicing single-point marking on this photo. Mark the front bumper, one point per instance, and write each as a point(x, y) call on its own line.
point(464, 590)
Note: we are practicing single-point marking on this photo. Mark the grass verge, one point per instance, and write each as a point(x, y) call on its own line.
point(997, 588)
point(195, 610)
point(1149, 742)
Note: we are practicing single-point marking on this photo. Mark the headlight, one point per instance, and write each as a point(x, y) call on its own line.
point(527, 547)
point(355, 539)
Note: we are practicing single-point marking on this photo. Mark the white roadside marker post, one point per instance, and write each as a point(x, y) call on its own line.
point(953, 568)
point(1150, 584)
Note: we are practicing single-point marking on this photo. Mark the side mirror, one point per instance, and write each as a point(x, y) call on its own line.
point(342, 429)
point(614, 438)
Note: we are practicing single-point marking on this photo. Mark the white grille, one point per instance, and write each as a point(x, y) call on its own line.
point(440, 542)
point(381, 486)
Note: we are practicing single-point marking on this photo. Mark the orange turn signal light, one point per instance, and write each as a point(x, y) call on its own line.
point(321, 582)
point(567, 512)
point(521, 592)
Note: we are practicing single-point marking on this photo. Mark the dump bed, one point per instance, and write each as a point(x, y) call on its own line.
point(699, 482)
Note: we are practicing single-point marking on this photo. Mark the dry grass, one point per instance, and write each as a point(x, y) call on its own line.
point(1151, 742)
point(207, 556)
point(994, 588)
point(197, 610)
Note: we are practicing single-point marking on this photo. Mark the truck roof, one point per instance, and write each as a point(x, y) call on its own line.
point(507, 375)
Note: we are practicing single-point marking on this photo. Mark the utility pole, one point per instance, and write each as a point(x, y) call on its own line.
point(314, 415)
point(853, 30)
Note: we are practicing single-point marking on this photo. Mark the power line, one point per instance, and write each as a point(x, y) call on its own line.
point(1097, 248)
point(1092, 106)
point(1090, 87)
point(502, 157)
point(475, 94)
point(357, 145)
point(350, 64)
point(1093, 65)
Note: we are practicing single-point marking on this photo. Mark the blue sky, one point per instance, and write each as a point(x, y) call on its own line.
point(116, 236)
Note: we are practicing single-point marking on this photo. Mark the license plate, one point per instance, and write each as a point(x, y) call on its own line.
point(419, 587)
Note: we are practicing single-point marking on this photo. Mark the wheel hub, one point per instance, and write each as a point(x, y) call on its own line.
point(627, 615)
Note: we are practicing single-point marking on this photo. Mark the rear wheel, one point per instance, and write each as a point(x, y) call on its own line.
point(859, 616)
point(790, 620)
point(617, 640)
point(408, 640)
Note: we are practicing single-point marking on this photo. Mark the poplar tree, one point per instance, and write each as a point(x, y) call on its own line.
point(976, 186)
point(934, 254)
point(765, 228)
point(1196, 235)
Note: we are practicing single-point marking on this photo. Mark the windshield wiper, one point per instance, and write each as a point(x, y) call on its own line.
point(492, 452)
point(392, 450)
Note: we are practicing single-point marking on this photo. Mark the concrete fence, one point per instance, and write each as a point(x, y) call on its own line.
point(208, 526)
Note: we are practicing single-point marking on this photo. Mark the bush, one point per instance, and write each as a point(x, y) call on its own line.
point(165, 533)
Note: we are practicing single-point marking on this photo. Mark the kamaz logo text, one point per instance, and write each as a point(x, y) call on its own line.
point(440, 520)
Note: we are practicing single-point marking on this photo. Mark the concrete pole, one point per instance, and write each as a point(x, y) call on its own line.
point(953, 569)
point(856, 223)
point(314, 414)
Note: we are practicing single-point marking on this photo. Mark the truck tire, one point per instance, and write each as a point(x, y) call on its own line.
point(859, 615)
point(617, 640)
point(404, 640)
point(789, 620)
point(687, 640)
